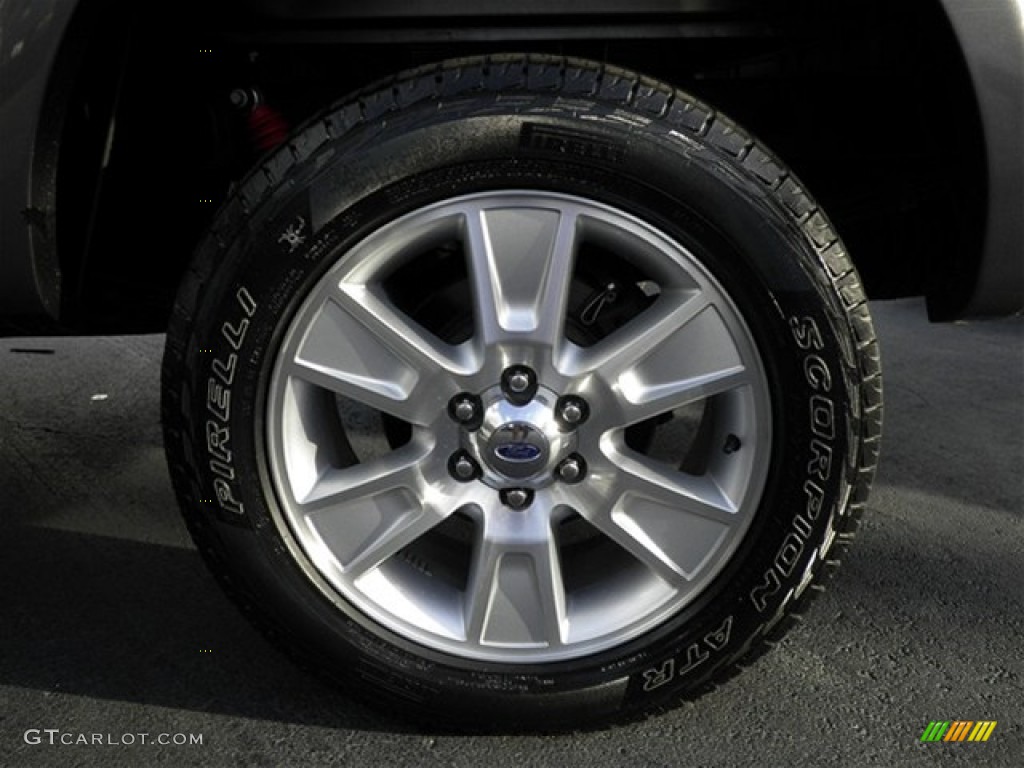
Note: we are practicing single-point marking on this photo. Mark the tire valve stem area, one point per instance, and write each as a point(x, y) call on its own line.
point(732, 444)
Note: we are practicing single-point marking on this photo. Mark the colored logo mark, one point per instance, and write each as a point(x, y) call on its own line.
point(518, 452)
point(958, 730)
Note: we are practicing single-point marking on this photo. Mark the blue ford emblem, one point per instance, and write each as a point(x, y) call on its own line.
point(518, 453)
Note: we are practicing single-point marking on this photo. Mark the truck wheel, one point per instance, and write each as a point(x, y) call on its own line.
point(521, 392)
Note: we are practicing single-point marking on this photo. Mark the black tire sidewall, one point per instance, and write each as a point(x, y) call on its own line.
point(751, 243)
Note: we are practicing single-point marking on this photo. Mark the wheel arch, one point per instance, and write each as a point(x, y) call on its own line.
point(991, 38)
point(60, 272)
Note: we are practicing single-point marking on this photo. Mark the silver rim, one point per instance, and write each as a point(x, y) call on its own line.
point(540, 483)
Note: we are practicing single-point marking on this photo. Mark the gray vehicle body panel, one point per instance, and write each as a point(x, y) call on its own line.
point(990, 32)
point(30, 37)
point(991, 35)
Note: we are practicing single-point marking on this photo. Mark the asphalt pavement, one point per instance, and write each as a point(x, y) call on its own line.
point(113, 638)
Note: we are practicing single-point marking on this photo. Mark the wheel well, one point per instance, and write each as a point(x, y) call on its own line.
point(869, 102)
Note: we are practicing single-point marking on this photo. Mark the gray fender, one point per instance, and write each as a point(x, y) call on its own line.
point(31, 32)
point(991, 35)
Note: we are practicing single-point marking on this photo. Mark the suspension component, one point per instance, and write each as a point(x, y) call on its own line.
point(265, 126)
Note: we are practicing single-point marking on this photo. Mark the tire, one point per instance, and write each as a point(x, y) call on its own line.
point(521, 392)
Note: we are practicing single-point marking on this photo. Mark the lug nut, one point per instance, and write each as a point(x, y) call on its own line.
point(516, 498)
point(462, 467)
point(572, 411)
point(572, 470)
point(466, 410)
point(519, 384)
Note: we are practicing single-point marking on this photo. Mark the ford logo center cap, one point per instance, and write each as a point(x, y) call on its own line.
point(518, 453)
point(518, 449)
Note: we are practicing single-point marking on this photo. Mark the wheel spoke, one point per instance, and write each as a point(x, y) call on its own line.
point(670, 521)
point(515, 595)
point(520, 262)
point(690, 494)
point(633, 342)
point(359, 346)
point(643, 398)
point(682, 353)
point(367, 513)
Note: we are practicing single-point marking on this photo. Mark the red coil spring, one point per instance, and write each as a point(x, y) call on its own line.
point(267, 128)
